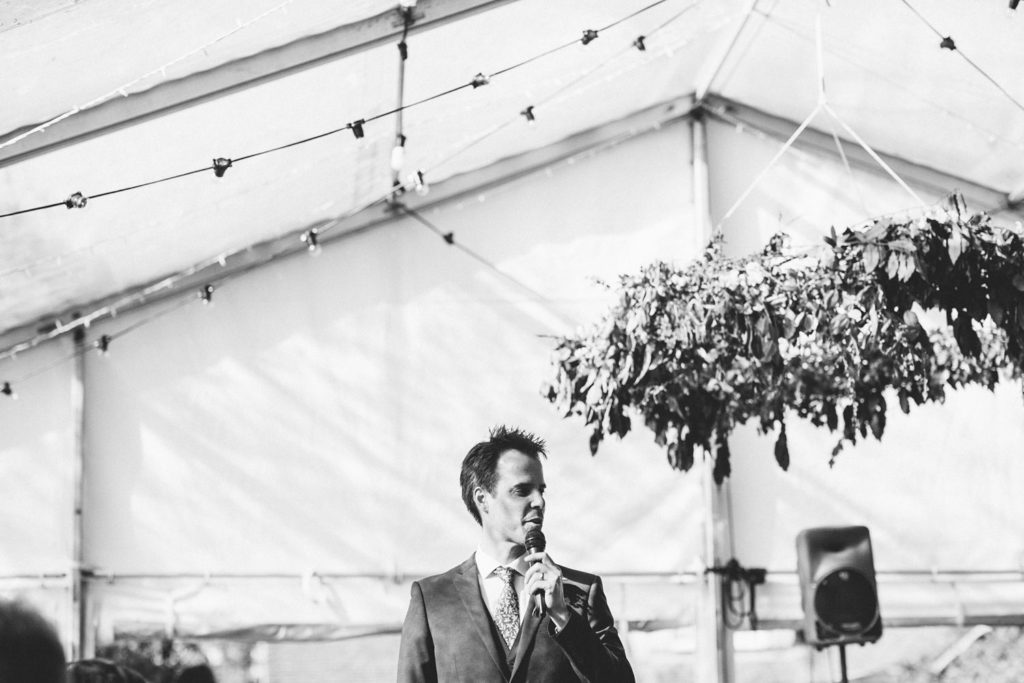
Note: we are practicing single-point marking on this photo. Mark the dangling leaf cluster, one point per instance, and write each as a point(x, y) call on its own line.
point(829, 337)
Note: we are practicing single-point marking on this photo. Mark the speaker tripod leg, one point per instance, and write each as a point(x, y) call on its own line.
point(842, 663)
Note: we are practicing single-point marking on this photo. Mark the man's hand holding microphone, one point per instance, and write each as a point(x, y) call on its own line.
point(544, 578)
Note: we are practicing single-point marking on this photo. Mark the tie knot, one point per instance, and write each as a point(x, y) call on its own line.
point(505, 573)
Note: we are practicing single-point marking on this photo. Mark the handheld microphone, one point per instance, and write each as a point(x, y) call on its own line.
point(536, 543)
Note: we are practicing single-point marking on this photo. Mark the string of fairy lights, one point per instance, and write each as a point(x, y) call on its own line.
point(220, 165)
point(418, 180)
point(312, 237)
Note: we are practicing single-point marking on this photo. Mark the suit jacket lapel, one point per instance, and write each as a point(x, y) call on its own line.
point(468, 585)
point(526, 638)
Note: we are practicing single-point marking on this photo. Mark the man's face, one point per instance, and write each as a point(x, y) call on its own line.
point(518, 498)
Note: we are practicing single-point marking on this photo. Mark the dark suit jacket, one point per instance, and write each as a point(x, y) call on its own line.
point(449, 636)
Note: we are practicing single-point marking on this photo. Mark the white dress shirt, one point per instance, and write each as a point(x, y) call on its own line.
point(491, 584)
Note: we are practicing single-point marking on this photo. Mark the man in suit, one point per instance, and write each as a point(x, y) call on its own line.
point(480, 622)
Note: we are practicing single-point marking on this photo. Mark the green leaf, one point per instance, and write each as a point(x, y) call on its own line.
point(955, 245)
point(892, 268)
point(872, 255)
point(722, 467)
point(904, 245)
point(782, 449)
point(670, 454)
point(648, 357)
point(686, 455)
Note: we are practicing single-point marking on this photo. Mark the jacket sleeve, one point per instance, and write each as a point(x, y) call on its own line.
point(416, 653)
point(592, 644)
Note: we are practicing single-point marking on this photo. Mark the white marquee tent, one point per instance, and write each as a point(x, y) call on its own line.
point(279, 464)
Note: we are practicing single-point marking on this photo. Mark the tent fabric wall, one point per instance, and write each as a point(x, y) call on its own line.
point(37, 464)
point(37, 483)
point(312, 420)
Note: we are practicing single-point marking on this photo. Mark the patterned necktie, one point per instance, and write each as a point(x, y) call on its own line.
point(507, 617)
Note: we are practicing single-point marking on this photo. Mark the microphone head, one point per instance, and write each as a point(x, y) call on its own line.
point(535, 541)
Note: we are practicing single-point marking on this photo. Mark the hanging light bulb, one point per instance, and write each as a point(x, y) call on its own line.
point(206, 294)
point(398, 154)
point(528, 115)
point(419, 183)
point(103, 344)
point(8, 391)
point(312, 240)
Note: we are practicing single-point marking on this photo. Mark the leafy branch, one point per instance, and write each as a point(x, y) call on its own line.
point(700, 350)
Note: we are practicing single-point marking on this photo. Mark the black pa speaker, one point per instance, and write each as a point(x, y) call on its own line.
point(837, 586)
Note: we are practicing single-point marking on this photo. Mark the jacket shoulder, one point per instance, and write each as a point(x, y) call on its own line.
point(445, 579)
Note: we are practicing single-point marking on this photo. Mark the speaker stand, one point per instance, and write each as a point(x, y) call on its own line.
point(842, 663)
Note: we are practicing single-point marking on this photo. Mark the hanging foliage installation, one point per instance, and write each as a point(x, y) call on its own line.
point(828, 336)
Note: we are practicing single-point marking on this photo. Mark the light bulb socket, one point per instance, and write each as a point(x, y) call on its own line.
point(220, 166)
point(357, 128)
point(76, 201)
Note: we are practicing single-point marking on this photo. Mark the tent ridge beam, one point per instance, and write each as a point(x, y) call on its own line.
point(236, 75)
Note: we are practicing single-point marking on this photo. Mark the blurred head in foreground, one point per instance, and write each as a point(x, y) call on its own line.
point(30, 651)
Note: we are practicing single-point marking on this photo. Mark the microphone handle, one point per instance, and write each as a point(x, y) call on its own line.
point(535, 543)
point(540, 607)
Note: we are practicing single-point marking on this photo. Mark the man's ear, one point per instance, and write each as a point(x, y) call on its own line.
point(480, 498)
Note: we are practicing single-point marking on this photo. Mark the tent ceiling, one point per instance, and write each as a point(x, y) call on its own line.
point(176, 84)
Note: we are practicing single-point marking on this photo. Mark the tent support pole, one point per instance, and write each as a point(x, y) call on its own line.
point(79, 646)
point(714, 661)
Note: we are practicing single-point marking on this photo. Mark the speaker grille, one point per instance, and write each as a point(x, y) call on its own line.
point(846, 603)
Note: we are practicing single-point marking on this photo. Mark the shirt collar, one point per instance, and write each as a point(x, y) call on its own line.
point(486, 564)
